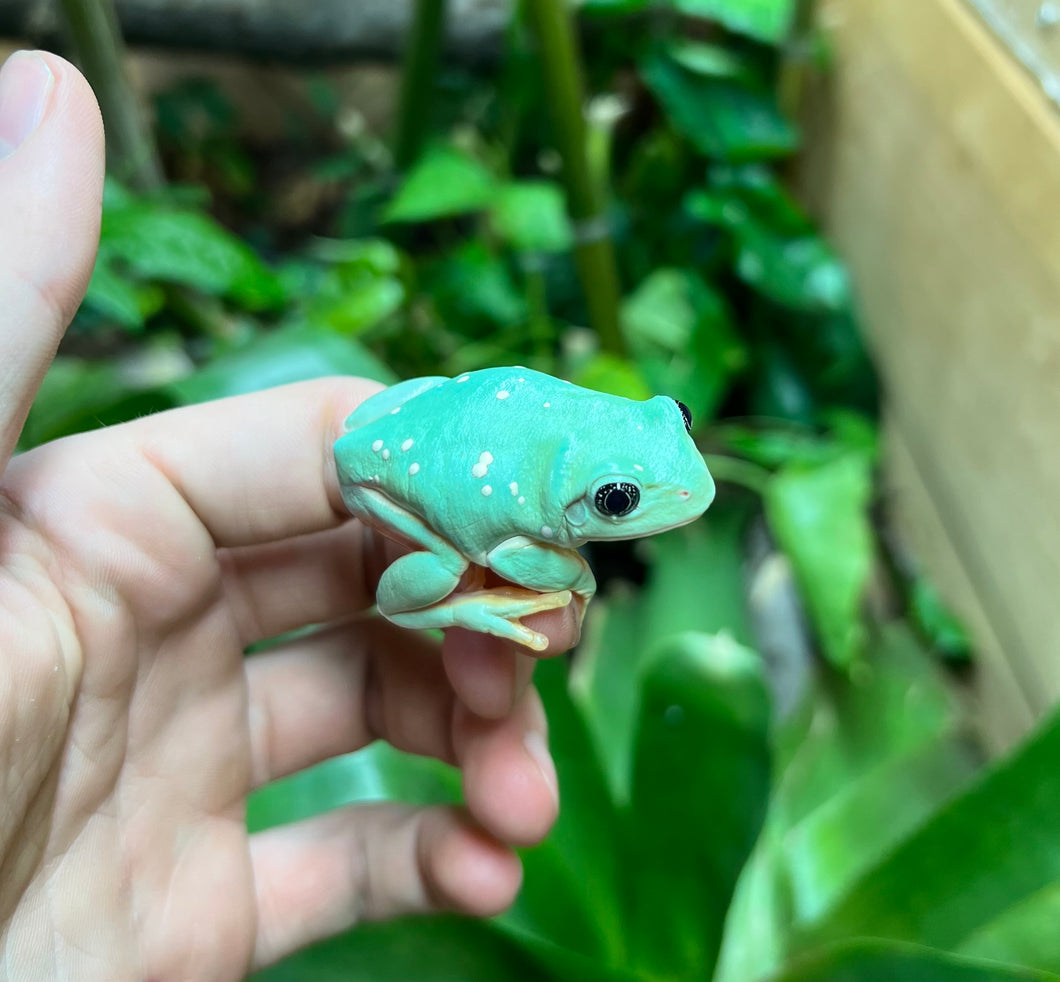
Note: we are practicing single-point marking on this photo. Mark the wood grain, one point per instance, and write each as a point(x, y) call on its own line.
point(934, 162)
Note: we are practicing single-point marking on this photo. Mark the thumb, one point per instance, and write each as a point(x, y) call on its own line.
point(51, 189)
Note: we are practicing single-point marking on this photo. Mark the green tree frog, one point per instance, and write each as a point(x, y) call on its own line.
point(510, 470)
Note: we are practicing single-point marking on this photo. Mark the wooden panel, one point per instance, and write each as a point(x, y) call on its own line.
point(934, 162)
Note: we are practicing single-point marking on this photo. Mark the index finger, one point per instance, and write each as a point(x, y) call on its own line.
point(256, 468)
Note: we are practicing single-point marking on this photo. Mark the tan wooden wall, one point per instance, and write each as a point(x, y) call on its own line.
point(934, 162)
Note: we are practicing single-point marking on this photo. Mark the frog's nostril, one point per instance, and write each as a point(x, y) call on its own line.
point(684, 494)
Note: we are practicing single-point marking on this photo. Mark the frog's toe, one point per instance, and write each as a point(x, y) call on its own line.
point(499, 612)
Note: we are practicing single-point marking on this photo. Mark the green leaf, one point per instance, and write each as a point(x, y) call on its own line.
point(803, 273)
point(427, 949)
point(376, 773)
point(78, 395)
point(819, 516)
point(878, 961)
point(618, 376)
point(122, 299)
point(1025, 934)
point(679, 330)
point(896, 704)
point(444, 183)
point(362, 304)
point(836, 844)
point(763, 20)
point(989, 850)
point(945, 633)
point(291, 354)
point(711, 60)
point(722, 119)
point(471, 285)
point(160, 243)
point(696, 810)
point(695, 583)
point(570, 895)
point(531, 216)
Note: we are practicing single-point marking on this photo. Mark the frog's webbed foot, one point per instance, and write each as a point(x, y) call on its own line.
point(495, 611)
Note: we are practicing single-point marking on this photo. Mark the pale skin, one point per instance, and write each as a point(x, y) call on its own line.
point(136, 563)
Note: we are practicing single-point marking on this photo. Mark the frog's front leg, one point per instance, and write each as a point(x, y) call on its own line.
point(544, 567)
point(416, 590)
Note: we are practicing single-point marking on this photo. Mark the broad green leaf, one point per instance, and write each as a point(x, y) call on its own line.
point(291, 354)
point(695, 583)
point(1026, 934)
point(443, 183)
point(711, 60)
point(880, 961)
point(618, 376)
point(756, 925)
point(834, 846)
point(700, 783)
point(164, 244)
point(992, 848)
point(803, 272)
point(605, 680)
point(894, 706)
point(571, 896)
point(819, 516)
point(722, 119)
point(78, 395)
point(764, 20)
point(363, 304)
point(531, 216)
point(376, 773)
point(471, 285)
point(427, 949)
point(122, 299)
point(679, 330)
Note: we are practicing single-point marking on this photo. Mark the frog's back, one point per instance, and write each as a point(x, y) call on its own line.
point(469, 454)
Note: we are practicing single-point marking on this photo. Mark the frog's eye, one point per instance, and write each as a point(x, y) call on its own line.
point(616, 500)
point(687, 414)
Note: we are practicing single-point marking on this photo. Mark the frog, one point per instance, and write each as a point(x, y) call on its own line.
point(508, 472)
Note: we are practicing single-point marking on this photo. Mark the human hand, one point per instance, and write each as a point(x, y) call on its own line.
point(136, 563)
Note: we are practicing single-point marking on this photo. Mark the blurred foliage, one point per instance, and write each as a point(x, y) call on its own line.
point(856, 838)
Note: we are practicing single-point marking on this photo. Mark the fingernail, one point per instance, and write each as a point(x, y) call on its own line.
point(25, 83)
point(538, 751)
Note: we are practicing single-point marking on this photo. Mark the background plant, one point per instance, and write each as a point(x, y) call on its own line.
point(732, 810)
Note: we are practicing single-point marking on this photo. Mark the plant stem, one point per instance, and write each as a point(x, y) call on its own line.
point(791, 81)
point(551, 24)
point(417, 80)
point(95, 35)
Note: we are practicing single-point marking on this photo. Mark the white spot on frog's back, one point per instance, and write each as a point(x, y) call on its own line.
point(377, 446)
point(547, 532)
point(406, 445)
point(482, 467)
point(521, 500)
point(514, 488)
point(547, 405)
point(394, 412)
point(386, 454)
point(486, 490)
point(503, 394)
point(637, 467)
point(414, 469)
point(463, 378)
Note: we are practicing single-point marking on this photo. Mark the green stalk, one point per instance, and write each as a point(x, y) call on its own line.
point(417, 80)
point(552, 27)
point(99, 48)
point(795, 57)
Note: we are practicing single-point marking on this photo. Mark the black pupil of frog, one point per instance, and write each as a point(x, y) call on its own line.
point(686, 413)
point(616, 500)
